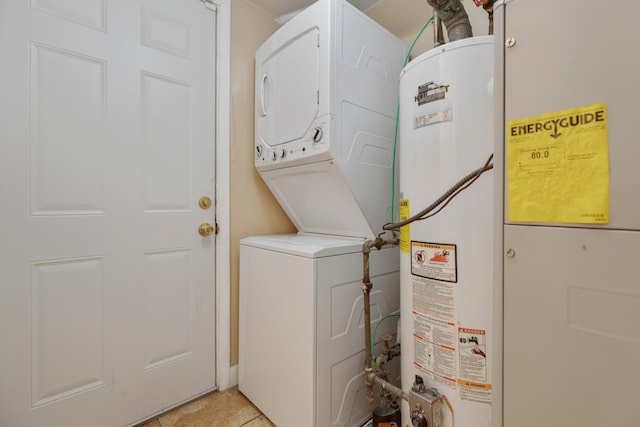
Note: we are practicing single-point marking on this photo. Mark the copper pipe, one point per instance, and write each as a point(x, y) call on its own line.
point(438, 32)
point(489, 8)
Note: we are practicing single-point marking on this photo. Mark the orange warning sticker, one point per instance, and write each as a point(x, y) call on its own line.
point(474, 384)
point(435, 261)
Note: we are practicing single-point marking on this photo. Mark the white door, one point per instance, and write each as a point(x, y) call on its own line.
point(106, 285)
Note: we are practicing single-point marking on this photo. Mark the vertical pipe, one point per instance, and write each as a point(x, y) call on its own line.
point(490, 12)
point(366, 290)
point(366, 286)
point(438, 33)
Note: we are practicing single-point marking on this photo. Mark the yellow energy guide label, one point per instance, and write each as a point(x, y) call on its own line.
point(558, 167)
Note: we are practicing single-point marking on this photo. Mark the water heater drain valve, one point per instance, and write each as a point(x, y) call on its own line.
point(424, 404)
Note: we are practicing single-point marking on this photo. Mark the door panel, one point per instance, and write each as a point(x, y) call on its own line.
point(571, 310)
point(60, 331)
point(107, 128)
point(77, 129)
point(167, 165)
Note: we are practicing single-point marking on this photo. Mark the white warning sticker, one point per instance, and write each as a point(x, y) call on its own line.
point(473, 376)
point(432, 118)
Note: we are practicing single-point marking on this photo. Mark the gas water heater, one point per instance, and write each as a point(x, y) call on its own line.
point(446, 268)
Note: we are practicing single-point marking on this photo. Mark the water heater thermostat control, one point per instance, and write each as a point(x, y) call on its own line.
point(424, 404)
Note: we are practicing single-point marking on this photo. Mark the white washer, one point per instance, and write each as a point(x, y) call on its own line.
point(326, 100)
point(301, 359)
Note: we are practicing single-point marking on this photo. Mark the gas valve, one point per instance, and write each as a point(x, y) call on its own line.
point(424, 404)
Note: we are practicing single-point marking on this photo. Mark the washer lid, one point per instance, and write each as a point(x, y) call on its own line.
point(287, 90)
point(305, 245)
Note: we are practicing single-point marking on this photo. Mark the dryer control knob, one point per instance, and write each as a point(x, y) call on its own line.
point(274, 156)
point(258, 150)
point(317, 134)
point(283, 153)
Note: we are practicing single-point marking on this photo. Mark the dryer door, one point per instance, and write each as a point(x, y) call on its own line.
point(287, 90)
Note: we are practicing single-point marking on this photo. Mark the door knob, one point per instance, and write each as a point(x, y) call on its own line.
point(206, 229)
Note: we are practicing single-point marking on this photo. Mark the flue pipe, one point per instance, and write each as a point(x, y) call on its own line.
point(454, 17)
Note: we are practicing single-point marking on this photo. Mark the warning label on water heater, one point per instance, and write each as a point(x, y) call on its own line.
point(435, 261)
point(405, 231)
point(473, 376)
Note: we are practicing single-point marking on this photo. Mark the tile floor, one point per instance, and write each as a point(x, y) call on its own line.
point(228, 408)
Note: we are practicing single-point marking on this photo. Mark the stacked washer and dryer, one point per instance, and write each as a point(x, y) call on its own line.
point(326, 98)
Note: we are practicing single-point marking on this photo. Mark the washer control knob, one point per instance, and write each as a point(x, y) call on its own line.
point(317, 134)
point(274, 156)
point(283, 153)
point(258, 150)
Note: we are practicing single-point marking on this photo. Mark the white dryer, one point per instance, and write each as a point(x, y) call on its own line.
point(326, 100)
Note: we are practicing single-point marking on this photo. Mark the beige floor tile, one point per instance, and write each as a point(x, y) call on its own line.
point(227, 408)
point(260, 421)
point(152, 423)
